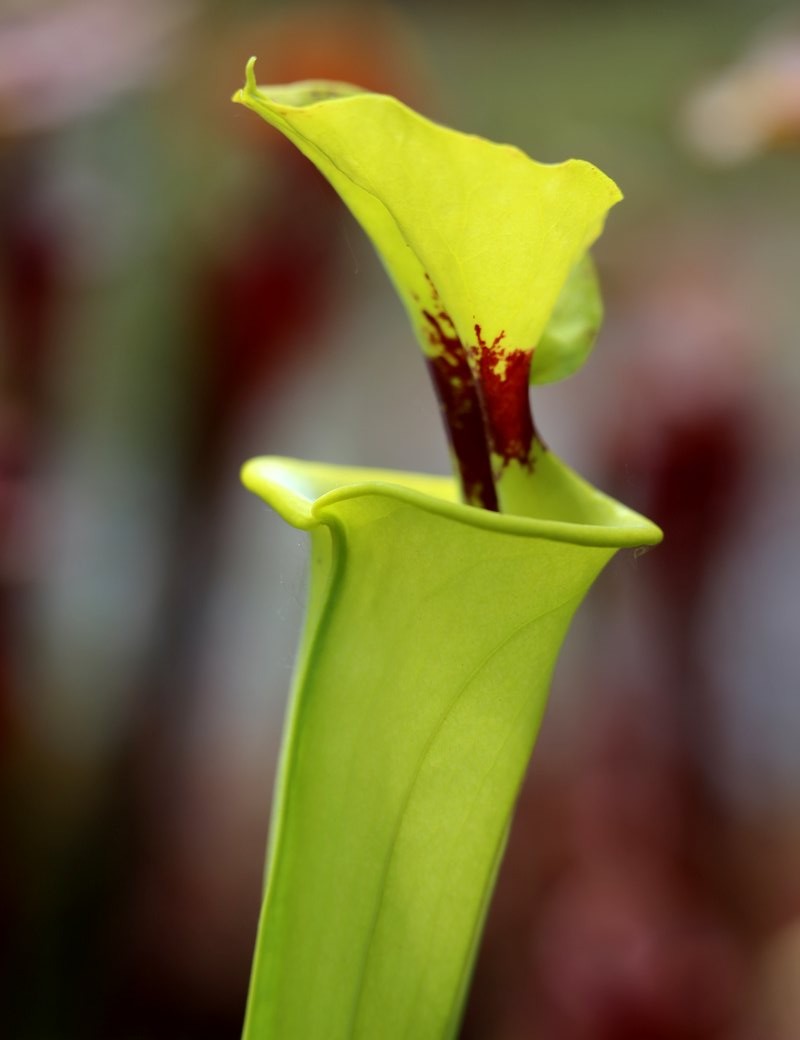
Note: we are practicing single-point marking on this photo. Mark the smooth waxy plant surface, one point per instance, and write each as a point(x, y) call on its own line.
point(436, 607)
point(485, 248)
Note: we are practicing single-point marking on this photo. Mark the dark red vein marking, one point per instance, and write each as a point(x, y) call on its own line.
point(504, 397)
point(460, 407)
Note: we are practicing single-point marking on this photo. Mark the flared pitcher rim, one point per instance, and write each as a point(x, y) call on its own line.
point(278, 481)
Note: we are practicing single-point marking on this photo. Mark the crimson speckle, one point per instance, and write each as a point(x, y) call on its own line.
point(483, 398)
point(503, 386)
point(461, 410)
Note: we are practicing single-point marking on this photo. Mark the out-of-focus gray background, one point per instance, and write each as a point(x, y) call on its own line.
point(179, 291)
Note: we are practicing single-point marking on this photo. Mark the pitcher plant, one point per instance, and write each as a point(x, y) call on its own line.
point(437, 606)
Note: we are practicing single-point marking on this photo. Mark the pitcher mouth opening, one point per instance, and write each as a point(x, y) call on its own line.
point(572, 510)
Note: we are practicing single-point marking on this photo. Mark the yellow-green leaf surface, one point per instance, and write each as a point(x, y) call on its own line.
point(478, 238)
point(495, 231)
point(432, 632)
point(572, 329)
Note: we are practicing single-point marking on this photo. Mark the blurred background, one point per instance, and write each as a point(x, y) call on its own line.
point(180, 291)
